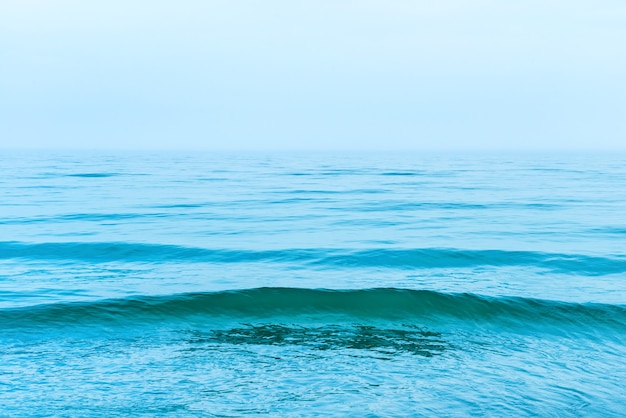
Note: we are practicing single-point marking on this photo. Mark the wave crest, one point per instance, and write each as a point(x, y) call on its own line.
point(321, 306)
point(317, 257)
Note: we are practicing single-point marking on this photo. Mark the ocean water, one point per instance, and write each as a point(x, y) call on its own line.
point(293, 284)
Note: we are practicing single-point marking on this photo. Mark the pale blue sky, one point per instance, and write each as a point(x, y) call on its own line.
point(324, 74)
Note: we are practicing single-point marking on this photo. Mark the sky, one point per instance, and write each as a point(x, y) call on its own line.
point(313, 74)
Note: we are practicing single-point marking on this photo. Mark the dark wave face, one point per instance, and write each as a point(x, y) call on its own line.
point(308, 305)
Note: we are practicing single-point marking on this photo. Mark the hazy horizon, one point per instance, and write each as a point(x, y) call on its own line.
point(327, 75)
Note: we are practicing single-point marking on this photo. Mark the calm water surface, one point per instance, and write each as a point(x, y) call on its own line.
point(282, 284)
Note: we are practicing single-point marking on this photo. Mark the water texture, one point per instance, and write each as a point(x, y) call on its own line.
point(286, 284)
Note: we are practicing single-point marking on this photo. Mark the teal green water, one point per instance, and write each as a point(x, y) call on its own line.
point(312, 284)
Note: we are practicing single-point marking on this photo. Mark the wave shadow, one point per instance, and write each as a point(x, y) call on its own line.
point(409, 339)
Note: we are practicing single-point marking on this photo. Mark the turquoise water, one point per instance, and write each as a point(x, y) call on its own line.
point(285, 284)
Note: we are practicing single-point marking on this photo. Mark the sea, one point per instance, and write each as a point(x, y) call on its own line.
point(293, 284)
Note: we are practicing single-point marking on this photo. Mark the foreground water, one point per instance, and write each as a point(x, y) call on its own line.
point(312, 284)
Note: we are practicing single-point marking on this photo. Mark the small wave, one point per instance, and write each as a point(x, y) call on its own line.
point(402, 173)
point(609, 230)
point(294, 305)
point(93, 175)
point(402, 206)
point(180, 206)
point(85, 217)
point(318, 257)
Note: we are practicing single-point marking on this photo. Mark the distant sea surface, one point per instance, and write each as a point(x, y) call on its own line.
point(293, 284)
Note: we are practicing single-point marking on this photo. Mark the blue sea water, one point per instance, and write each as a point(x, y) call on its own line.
point(292, 284)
